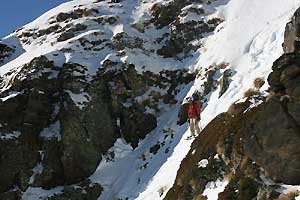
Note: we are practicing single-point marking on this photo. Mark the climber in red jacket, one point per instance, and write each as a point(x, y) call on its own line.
point(194, 112)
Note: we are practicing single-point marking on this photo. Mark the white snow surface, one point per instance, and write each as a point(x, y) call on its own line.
point(249, 40)
point(203, 163)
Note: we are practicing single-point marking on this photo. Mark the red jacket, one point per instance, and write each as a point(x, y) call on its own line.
point(194, 110)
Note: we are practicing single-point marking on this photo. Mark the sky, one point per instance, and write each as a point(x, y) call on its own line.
point(16, 13)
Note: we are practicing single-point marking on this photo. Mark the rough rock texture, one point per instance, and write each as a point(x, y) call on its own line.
point(68, 136)
point(225, 81)
point(273, 140)
point(182, 32)
point(123, 40)
point(292, 31)
point(5, 51)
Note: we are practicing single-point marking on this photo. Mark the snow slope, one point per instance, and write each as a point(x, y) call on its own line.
point(249, 40)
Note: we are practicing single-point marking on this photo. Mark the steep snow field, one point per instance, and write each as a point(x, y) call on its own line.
point(249, 40)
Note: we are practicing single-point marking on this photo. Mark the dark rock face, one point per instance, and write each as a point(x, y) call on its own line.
point(85, 190)
point(127, 85)
point(5, 51)
point(177, 41)
point(273, 140)
point(68, 137)
point(292, 32)
point(19, 154)
point(285, 76)
point(181, 35)
point(225, 81)
point(78, 13)
point(44, 100)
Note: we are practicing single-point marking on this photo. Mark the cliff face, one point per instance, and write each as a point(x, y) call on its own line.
point(250, 150)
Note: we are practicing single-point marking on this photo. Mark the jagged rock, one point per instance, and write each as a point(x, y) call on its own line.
point(83, 191)
point(79, 152)
point(225, 81)
point(182, 32)
point(5, 51)
point(284, 78)
point(51, 29)
point(86, 130)
point(19, 155)
point(164, 14)
point(52, 173)
point(65, 36)
point(137, 125)
point(78, 13)
point(123, 40)
point(273, 140)
point(17, 161)
point(238, 108)
point(291, 33)
point(210, 82)
point(109, 20)
point(181, 35)
point(83, 132)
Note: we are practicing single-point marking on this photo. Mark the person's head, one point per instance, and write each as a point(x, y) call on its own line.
point(189, 99)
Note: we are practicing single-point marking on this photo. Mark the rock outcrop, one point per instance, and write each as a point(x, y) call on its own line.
point(292, 34)
point(5, 52)
point(273, 141)
point(65, 123)
point(185, 28)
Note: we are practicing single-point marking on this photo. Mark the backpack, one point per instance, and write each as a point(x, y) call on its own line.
point(183, 113)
